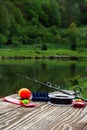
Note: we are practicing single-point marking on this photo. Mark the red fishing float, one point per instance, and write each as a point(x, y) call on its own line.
point(24, 93)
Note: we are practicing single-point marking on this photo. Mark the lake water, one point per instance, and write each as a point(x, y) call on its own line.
point(54, 71)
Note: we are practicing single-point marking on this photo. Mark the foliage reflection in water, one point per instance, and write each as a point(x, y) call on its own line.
point(57, 72)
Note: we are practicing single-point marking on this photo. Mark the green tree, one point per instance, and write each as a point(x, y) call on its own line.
point(3, 40)
point(17, 23)
point(55, 17)
point(76, 13)
point(73, 35)
point(4, 24)
point(64, 13)
point(4, 19)
point(58, 39)
point(18, 16)
point(83, 7)
point(70, 12)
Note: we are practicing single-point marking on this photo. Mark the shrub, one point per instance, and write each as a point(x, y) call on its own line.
point(44, 47)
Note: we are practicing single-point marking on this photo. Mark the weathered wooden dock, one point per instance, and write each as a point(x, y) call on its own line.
point(42, 117)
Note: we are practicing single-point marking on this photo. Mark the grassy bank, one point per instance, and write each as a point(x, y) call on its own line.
point(24, 52)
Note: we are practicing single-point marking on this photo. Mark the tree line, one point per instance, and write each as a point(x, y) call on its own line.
point(32, 22)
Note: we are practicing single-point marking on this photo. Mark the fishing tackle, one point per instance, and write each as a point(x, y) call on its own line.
point(76, 91)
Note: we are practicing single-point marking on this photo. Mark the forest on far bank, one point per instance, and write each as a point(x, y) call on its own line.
point(43, 23)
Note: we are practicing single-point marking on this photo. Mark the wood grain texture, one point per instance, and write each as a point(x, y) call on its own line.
point(42, 117)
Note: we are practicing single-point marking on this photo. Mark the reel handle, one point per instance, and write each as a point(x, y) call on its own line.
point(77, 90)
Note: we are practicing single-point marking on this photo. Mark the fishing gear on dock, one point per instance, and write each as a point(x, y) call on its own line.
point(63, 99)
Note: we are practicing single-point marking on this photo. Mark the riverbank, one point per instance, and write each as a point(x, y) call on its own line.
point(23, 53)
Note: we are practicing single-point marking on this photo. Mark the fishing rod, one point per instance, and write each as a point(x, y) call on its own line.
point(48, 84)
point(77, 89)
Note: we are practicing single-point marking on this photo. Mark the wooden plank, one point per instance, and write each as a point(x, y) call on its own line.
point(33, 118)
point(43, 117)
point(6, 107)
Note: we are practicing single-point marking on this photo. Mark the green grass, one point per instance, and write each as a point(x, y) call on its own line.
point(40, 53)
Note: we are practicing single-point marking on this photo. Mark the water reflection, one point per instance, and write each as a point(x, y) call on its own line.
point(54, 71)
point(73, 69)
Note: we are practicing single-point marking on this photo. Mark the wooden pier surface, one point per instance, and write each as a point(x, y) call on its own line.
point(42, 117)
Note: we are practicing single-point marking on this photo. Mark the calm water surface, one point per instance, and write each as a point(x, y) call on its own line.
point(54, 71)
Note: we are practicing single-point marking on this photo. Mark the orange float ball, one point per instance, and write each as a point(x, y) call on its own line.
point(24, 93)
